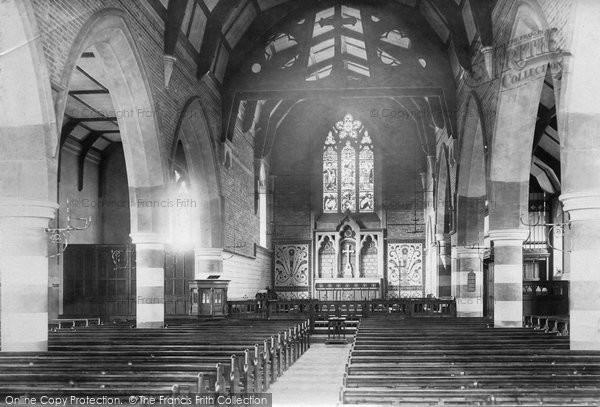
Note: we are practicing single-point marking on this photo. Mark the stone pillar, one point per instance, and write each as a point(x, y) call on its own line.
point(150, 280)
point(208, 261)
point(444, 265)
point(579, 129)
point(508, 276)
point(468, 282)
point(24, 274)
point(584, 291)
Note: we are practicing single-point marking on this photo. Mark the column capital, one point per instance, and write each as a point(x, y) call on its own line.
point(582, 205)
point(508, 237)
point(147, 238)
point(442, 237)
point(468, 252)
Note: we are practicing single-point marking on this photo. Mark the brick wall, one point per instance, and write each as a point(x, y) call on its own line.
point(238, 183)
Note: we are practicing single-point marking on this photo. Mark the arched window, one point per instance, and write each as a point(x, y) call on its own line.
point(181, 219)
point(262, 205)
point(348, 157)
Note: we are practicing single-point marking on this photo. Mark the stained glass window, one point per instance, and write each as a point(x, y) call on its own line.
point(330, 175)
point(348, 157)
point(348, 161)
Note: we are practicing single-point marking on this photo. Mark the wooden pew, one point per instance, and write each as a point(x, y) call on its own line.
point(119, 361)
point(465, 362)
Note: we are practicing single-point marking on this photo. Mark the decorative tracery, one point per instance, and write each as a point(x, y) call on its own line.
point(348, 157)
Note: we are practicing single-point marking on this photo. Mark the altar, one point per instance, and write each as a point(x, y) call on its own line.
point(348, 263)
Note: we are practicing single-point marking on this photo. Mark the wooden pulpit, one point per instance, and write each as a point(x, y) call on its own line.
point(208, 297)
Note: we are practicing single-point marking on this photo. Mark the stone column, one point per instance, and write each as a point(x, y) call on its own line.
point(24, 274)
point(584, 291)
point(150, 280)
point(579, 129)
point(444, 264)
point(468, 282)
point(508, 276)
point(208, 261)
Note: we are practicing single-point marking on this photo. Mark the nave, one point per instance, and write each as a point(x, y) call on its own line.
point(179, 160)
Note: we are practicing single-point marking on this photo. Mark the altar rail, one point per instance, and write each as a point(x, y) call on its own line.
point(545, 298)
point(319, 310)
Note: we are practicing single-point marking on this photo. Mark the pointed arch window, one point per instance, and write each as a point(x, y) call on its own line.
point(181, 219)
point(348, 168)
point(262, 205)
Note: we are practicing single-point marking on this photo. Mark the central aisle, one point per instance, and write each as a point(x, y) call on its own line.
point(314, 380)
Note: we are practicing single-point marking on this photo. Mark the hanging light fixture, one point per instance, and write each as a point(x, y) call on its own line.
point(60, 236)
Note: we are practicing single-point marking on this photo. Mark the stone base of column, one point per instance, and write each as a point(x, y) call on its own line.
point(584, 287)
point(24, 275)
point(508, 277)
point(584, 330)
point(150, 280)
point(468, 282)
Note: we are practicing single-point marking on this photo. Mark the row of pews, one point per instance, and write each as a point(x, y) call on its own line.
point(206, 358)
point(554, 324)
point(465, 362)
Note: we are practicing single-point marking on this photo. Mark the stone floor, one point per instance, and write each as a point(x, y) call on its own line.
point(314, 380)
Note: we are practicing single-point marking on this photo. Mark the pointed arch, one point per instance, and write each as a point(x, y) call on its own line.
point(198, 143)
point(443, 195)
point(108, 31)
point(472, 176)
point(516, 115)
point(29, 130)
point(510, 160)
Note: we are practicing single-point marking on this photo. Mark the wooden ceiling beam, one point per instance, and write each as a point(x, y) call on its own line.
point(89, 92)
point(86, 145)
point(98, 119)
